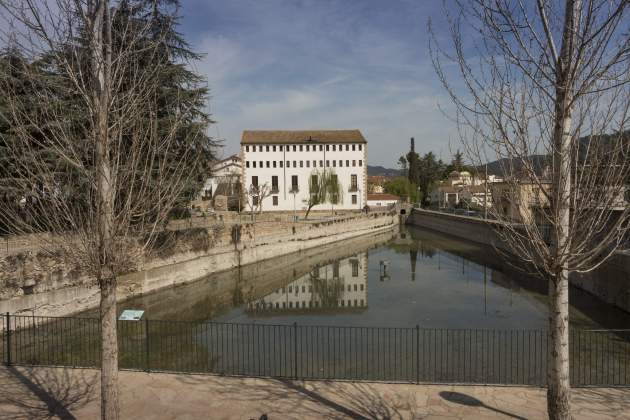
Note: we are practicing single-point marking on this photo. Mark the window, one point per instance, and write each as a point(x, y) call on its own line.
point(355, 287)
point(321, 163)
point(301, 164)
point(353, 147)
point(274, 163)
point(347, 147)
point(327, 147)
point(247, 148)
point(288, 163)
point(340, 163)
point(354, 199)
point(275, 200)
point(295, 163)
point(300, 147)
point(307, 147)
point(361, 283)
point(247, 164)
point(314, 164)
point(321, 147)
point(273, 148)
point(267, 148)
point(281, 163)
point(360, 147)
point(354, 163)
point(254, 163)
point(334, 163)
point(360, 163)
point(355, 268)
point(261, 164)
point(253, 148)
point(294, 148)
point(294, 183)
point(267, 164)
point(313, 179)
point(308, 163)
point(280, 148)
point(255, 181)
point(353, 183)
point(274, 183)
point(327, 163)
point(347, 163)
point(335, 268)
point(334, 148)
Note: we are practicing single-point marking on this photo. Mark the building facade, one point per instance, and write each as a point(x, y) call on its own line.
point(382, 200)
point(224, 181)
point(281, 163)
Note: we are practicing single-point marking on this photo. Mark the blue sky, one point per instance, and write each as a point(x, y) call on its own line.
point(322, 64)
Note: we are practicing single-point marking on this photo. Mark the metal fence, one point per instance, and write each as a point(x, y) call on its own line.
point(414, 355)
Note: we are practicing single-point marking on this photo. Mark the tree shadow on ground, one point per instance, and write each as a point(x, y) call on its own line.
point(600, 402)
point(45, 393)
point(285, 398)
point(470, 401)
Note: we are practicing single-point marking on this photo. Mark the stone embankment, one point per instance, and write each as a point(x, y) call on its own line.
point(39, 282)
point(610, 282)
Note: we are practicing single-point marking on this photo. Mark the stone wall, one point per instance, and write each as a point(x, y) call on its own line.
point(610, 282)
point(38, 283)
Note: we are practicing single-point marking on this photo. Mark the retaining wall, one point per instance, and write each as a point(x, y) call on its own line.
point(610, 282)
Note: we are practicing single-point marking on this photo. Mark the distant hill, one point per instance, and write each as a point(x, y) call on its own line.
point(501, 166)
point(382, 171)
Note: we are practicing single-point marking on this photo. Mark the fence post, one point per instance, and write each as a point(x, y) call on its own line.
point(146, 343)
point(417, 354)
point(8, 335)
point(295, 353)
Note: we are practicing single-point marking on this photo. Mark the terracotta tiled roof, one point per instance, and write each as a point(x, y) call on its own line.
point(301, 136)
point(376, 197)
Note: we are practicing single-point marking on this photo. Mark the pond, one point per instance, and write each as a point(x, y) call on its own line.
point(398, 279)
point(408, 305)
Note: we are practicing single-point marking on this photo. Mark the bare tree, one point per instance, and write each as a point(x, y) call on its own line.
point(317, 188)
point(551, 79)
point(334, 191)
point(101, 187)
point(256, 194)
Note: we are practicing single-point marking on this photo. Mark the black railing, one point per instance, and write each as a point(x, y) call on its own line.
point(415, 355)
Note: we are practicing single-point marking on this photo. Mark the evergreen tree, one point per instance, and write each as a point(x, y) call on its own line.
point(430, 171)
point(413, 164)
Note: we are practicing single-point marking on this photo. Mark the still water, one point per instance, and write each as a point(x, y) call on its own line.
point(398, 279)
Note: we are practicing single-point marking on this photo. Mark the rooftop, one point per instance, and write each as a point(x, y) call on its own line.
point(301, 136)
point(383, 196)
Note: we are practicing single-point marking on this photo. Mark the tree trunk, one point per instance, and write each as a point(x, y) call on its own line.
point(101, 62)
point(109, 352)
point(558, 384)
point(308, 210)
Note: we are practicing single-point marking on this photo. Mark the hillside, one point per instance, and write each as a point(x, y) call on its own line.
point(382, 171)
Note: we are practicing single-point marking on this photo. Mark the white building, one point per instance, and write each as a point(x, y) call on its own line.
point(285, 160)
point(226, 171)
point(382, 200)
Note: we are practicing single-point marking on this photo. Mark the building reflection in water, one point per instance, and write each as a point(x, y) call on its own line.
point(340, 285)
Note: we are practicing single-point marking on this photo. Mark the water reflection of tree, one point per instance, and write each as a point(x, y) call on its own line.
point(327, 290)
